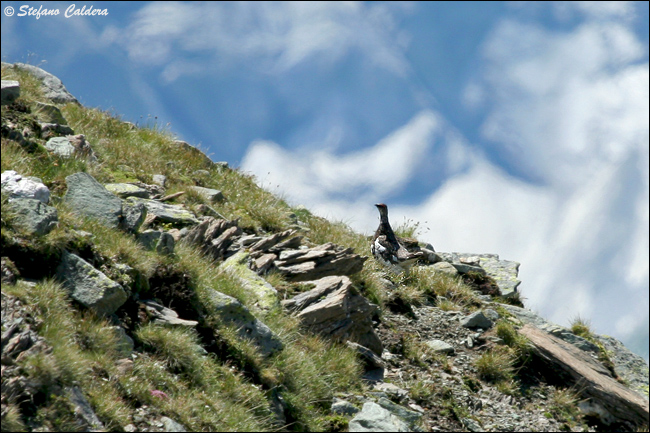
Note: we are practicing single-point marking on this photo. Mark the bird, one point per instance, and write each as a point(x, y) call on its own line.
point(388, 249)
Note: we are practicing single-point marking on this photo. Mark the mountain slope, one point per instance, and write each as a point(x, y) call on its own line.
point(147, 288)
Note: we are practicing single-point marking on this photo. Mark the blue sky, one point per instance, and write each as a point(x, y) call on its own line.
point(513, 128)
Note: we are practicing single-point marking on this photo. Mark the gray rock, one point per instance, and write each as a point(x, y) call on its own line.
point(444, 267)
point(87, 197)
point(10, 91)
point(477, 320)
point(168, 213)
point(233, 313)
point(159, 179)
point(34, 216)
point(133, 215)
point(343, 314)
point(214, 236)
point(370, 358)
point(409, 416)
point(207, 162)
point(374, 418)
point(158, 240)
point(165, 316)
point(19, 186)
point(527, 316)
point(124, 344)
point(52, 87)
point(504, 272)
point(172, 426)
point(440, 346)
point(83, 411)
point(465, 268)
point(213, 195)
point(88, 286)
point(48, 113)
point(126, 190)
point(343, 407)
point(632, 368)
point(60, 146)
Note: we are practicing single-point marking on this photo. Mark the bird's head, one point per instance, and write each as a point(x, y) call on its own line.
point(383, 209)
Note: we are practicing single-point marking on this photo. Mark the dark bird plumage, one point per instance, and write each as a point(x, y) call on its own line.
point(388, 249)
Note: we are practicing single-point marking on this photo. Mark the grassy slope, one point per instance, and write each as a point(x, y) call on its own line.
point(231, 388)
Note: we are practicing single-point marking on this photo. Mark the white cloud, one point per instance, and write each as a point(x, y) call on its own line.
point(277, 36)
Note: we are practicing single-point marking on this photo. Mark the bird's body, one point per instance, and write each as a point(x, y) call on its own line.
point(388, 249)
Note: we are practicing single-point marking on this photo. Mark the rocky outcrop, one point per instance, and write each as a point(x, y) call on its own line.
point(318, 262)
point(607, 399)
point(335, 309)
point(504, 272)
point(71, 146)
point(213, 236)
point(167, 213)
point(263, 295)
point(52, 87)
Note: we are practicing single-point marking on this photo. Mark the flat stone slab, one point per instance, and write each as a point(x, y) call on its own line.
point(374, 418)
point(213, 195)
point(440, 346)
point(168, 213)
point(504, 272)
point(125, 190)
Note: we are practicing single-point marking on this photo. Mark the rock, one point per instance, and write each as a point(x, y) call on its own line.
point(393, 391)
point(213, 236)
point(527, 316)
point(370, 358)
point(212, 195)
point(52, 87)
point(48, 113)
point(410, 417)
point(444, 267)
point(267, 243)
point(49, 130)
point(207, 162)
point(264, 295)
point(159, 179)
point(233, 313)
point(572, 366)
point(126, 190)
point(323, 288)
point(477, 320)
point(172, 426)
point(9, 271)
point(374, 418)
point(440, 346)
point(343, 407)
point(84, 413)
point(343, 315)
point(158, 240)
point(133, 215)
point(168, 213)
point(71, 145)
point(504, 272)
point(318, 262)
point(10, 91)
point(165, 316)
point(60, 146)
point(632, 368)
point(19, 186)
point(124, 344)
point(87, 197)
point(33, 216)
point(464, 268)
point(88, 286)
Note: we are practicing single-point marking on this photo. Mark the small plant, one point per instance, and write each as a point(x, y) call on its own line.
point(581, 327)
point(496, 365)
